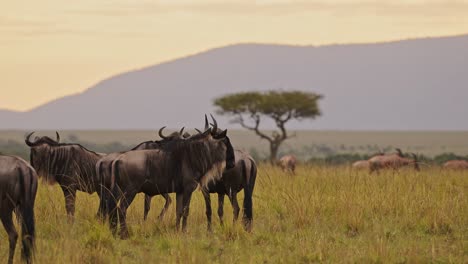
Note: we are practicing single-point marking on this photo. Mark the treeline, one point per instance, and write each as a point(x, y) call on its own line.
point(319, 154)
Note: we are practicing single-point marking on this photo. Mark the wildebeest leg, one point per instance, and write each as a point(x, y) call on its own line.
point(11, 231)
point(186, 207)
point(166, 206)
point(124, 204)
point(235, 205)
point(70, 195)
point(221, 208)
point(112, 201)
point(147, 206)
point(102, 210)
point(206, 195)
point(179, 207)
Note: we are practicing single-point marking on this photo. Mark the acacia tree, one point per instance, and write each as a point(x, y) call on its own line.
point(248, 108)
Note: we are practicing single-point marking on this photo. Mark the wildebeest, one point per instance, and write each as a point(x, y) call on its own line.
point(18, 187)
point(104, 166)
point(72, 166)
point(242, 176)
point(180, 167)
point(361, 164)
point(288, 163)
point(365, 164)
point(392, 161)
point(456, 165)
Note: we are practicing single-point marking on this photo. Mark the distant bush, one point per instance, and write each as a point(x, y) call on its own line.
point(444, 157)
point(313, 154)
point(254, 153)
point(11, 147)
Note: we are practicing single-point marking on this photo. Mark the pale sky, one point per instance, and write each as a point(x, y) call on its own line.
point(52, 48)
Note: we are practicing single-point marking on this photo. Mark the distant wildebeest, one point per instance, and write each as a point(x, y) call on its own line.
point(72, 166)
point(361, 164)
point(18, 187)
point(180, 167)
point(456, 165)
point(288, 163)
point(392, 161)
point(242, 176)
point(104, 166)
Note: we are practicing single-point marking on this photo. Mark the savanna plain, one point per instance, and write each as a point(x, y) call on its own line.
point(322, 214)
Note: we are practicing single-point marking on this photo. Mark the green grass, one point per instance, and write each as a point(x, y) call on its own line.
point(322, 214)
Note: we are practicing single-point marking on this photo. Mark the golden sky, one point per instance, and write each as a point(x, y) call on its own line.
point(52, 48)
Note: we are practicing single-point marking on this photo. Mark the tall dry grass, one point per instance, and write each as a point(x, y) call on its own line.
point(322, 214)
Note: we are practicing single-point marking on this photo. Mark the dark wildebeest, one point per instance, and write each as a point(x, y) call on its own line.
point(72, 166)
point(242, 176)
point(288, 163)
point(104, 167)
point(456, 165)
point(18, 187)
point(392, 161)
point(180, 167)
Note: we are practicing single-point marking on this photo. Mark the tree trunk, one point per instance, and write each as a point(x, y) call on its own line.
point(274, 146)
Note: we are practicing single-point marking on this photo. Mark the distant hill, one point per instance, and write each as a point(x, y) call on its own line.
point(419, 84)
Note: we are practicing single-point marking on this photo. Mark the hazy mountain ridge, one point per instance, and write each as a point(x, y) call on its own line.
point(411, 84)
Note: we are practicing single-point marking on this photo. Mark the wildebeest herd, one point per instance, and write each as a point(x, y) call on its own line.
point(178, 163)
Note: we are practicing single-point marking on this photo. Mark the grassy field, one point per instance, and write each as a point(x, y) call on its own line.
point(306, 144)
point(322, 214)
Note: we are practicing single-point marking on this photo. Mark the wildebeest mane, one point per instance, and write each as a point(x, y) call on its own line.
point(200, 154)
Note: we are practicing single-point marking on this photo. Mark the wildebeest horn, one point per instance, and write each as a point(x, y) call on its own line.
point(160, 133)
point(206, 122)
point(199, 132)
point(58, 137)
point(29, 143)
point(215, 124)
point(181, 131)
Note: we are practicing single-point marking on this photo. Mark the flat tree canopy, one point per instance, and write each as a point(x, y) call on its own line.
point(281, 106)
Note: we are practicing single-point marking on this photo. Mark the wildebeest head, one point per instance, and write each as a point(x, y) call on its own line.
point(172, 136)
point(53, 160)
point(160, 143)
point(38, 157)
point(209, 155)
point(42, 140)
point(399, 152)
point(219, 134)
